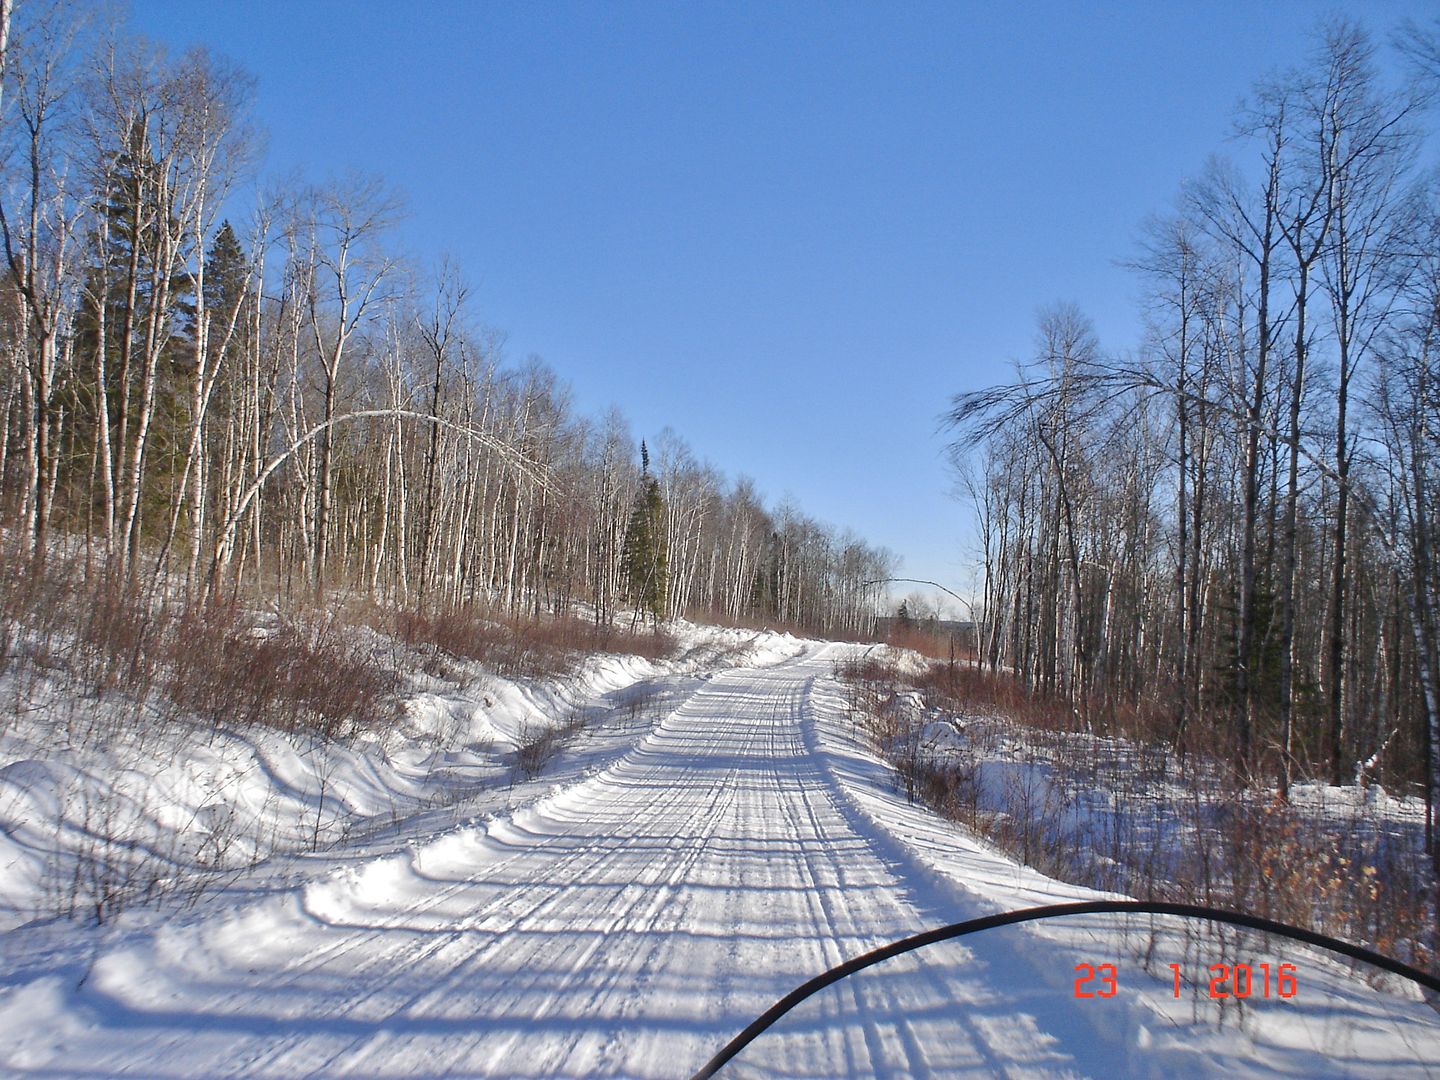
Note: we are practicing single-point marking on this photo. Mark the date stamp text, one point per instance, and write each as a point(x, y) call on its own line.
point(1239, 981)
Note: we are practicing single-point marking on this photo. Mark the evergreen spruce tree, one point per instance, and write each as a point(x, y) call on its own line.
point(227, 281)
point(122, 275)
point(645, 555)
point(226, 273)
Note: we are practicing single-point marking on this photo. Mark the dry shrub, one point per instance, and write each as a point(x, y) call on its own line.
point(871, 683)
point(304, 675)
point(86, 622)
point(525, 648)
point(893, 725)
point(1191, 834)
point(969, 690)
point(118, 636)
point(1142, 722)
point(1345, 878)
point(935, 642)
point(539, 744)
point(103, 635)
point(34, 600)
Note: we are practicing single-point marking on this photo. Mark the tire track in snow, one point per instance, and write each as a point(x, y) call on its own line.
point(578, 865)
point(550, 907)
point(625, 926)
point(375, 942)
point(369, 939)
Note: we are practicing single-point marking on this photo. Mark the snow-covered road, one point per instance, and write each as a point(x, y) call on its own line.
point(626, 925)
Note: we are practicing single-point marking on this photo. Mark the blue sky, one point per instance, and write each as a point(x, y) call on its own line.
point(789, 231)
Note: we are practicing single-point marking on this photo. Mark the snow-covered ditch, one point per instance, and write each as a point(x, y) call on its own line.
point(1131, 817)
point(1162, 996)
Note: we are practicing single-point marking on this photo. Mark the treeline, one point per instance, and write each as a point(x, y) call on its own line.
point(1231, 534)
point(285, 406)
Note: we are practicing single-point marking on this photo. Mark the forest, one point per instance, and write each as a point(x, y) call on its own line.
point(372, 700)
point(218, 385)
point(1225, 538)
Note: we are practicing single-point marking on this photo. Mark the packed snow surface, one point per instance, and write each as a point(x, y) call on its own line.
point(628, 913)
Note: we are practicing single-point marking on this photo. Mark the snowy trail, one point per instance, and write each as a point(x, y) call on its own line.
point(630, 924)
point(626, 926)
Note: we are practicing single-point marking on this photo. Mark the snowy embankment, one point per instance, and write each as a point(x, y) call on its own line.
point(1163, 1007)
point(681, 865)
point(101, 809)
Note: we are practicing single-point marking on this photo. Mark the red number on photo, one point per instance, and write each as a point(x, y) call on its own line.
point(1217, 981)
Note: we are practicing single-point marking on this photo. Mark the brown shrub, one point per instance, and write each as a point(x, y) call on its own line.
point(525, 648)
point(938, 643)
point(1191, 835)
point(305, 675)
point(87, 621)
point(968, 690)
point(104, 634)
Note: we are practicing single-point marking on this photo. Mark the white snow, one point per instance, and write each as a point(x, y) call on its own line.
point(714, 836)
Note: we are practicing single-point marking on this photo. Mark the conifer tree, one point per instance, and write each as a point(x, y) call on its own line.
point(227, 284)
point(645, 554)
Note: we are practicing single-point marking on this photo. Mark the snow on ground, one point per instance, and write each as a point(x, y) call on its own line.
point(102, 808)
point(680, 866)
point(1336, 1024)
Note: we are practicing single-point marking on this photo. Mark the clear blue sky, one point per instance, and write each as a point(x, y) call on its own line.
point(790, 231)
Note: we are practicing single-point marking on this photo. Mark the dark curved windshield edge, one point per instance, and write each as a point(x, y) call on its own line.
point(1053, 911)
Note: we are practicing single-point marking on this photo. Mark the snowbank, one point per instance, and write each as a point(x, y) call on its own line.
point(101, 808)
